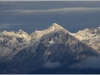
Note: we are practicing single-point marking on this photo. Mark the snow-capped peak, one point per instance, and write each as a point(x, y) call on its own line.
point(8, 33)
point(20, 32)
point(98, 27)
point(19, 40)
point(55, 27)
point(90, 37)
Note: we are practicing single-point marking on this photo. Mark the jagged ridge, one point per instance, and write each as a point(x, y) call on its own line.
point(12, 42)
point(27, 53)
point(90, 37)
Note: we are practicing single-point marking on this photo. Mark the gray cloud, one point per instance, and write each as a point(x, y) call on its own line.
point(72, 21)
point(50, 64)
point(58, 10)
point(91, 62)
point(4, 26)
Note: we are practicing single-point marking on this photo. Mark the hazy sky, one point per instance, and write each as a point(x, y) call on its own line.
point(32, 15)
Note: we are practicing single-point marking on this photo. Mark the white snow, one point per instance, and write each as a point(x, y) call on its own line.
point(9, 42)
point(90, 37)
point(52, 28)
point(51, 41)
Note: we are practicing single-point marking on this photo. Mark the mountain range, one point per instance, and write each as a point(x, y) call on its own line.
point(52, 51)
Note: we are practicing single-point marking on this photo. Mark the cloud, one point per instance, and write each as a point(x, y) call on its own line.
point(91, 62)
point(4, 26)
point(50, 64)
point(32, 5)
point(57, 10)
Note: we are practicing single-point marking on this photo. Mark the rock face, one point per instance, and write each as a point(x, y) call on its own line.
point(90, 37)
point(24, 53)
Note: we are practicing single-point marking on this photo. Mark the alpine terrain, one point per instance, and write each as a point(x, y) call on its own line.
point(54, 50)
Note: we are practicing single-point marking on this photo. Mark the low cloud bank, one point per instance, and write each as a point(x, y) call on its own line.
point(91, 62)
point(50, 64)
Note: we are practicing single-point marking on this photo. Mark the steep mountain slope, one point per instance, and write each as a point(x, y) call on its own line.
point(11, 43)
point(24, 53)
point(58, 46)
point(90, 37)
